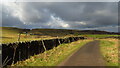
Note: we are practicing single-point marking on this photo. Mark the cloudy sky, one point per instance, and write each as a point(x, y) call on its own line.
point(61, 15)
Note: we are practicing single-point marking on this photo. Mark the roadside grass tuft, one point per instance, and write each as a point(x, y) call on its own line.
point(109, 49)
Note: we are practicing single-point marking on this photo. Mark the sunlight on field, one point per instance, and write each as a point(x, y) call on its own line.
point(99, 35)
point(109, 48)
point(11, 35)
point(23, 39)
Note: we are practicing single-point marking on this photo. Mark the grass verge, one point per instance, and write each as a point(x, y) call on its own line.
point(54, 56)
point(99, 35)
point(109, 49)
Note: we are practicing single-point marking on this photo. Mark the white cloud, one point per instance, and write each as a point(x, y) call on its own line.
point(57, 22)
point(65, 25)
point(82, 23)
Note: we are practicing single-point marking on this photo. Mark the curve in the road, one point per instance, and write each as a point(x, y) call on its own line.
point(88, 55)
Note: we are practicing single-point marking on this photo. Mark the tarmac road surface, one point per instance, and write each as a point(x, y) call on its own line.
point(87, 55)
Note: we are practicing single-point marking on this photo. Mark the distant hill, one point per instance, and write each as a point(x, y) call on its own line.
point(12, 34)
point(53, 32)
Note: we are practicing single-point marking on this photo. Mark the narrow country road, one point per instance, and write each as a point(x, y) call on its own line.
point(88, 55)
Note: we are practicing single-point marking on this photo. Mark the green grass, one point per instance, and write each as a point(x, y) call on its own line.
point(109, 49)
point(54, 56)
point(98, 35)
point(11, 34)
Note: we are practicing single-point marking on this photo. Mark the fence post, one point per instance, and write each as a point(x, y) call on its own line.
point(14, 53)
point(19, 36)
point(28, 51)
point(58, 40)
point(19, 56)
point(69, 39)
point(73, 39)
point(44, 47)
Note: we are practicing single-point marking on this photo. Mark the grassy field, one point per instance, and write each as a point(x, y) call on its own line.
point(109, 49)
point(98, 35)
point(54, 56)
point(11, 34)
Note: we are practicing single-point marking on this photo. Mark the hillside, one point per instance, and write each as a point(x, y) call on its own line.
point(53, 32)
point(11, 33)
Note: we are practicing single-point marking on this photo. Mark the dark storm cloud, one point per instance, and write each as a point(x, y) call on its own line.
point(9, 20)
point(94, 14)
point(76, 15)
point(35, 13)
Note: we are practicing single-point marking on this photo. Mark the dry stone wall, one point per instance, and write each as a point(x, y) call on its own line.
point(14, 52)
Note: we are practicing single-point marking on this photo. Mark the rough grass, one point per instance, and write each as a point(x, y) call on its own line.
point(99, 35)
point(54, 56)
point(109, 49)
point(11, 34)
